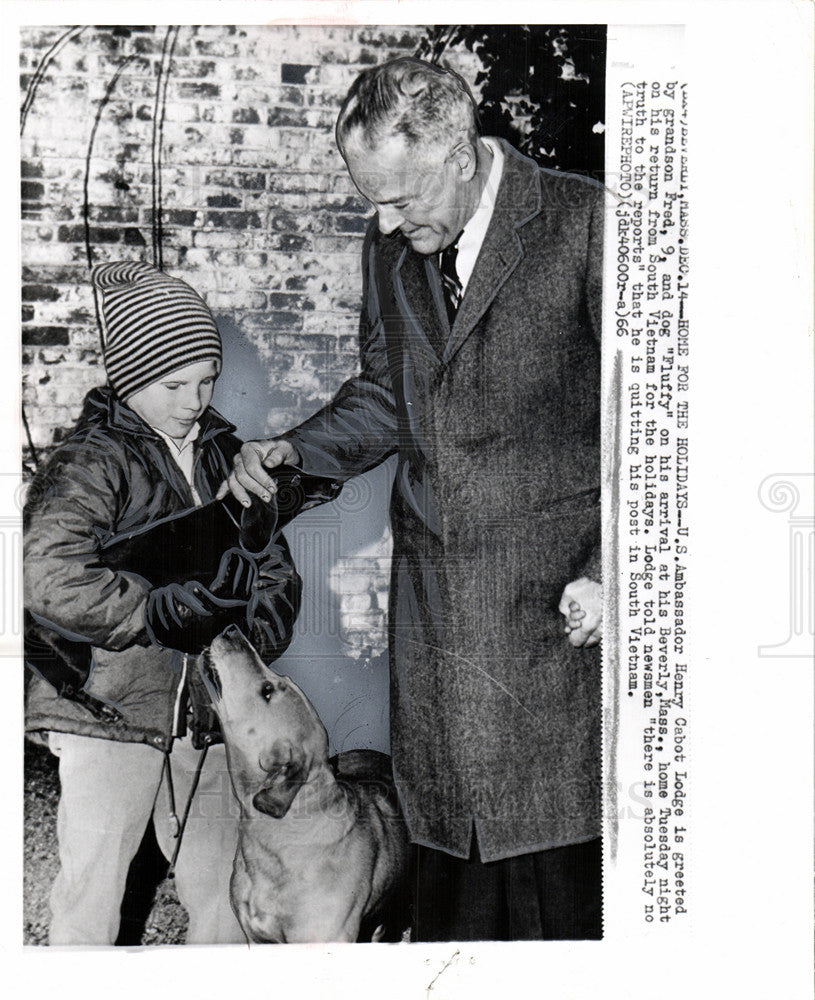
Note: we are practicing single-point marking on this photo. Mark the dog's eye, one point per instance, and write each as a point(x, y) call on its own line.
point(267, 690)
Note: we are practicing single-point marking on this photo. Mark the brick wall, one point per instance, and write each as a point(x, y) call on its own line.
point(258, 212)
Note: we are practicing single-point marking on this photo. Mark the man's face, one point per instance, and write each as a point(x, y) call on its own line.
point(418, 191)
point(176, 401)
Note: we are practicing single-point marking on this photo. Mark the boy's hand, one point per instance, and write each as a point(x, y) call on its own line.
point(582, 606)
point(249, 475)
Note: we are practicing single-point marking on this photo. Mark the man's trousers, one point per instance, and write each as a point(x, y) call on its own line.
point(546, 895)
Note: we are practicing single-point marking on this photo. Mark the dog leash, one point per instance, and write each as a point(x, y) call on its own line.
point(179, 827)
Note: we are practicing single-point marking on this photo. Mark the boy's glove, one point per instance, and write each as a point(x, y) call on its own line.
point(256, 586)
point(248, 590)
point(188, 616)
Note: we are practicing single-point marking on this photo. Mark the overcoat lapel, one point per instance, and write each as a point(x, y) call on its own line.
point(517, 202)
point(418, 283)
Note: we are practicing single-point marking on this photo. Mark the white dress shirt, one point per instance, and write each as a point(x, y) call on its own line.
point(472, 236)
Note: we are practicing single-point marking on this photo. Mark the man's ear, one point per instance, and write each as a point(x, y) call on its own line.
point(465, 157)
point(287, 778)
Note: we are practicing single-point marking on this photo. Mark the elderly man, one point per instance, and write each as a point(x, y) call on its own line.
point(480, 369)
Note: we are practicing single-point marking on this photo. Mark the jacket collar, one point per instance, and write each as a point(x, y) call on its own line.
point(104, 408)
point(517, 201)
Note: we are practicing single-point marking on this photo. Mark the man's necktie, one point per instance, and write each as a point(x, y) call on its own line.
point(450, 279)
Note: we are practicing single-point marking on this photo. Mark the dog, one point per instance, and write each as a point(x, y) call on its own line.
point(317, 852)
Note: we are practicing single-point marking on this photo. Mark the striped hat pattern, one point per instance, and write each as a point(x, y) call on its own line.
point(152, 324)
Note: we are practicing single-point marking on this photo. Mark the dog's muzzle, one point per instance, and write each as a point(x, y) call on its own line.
point(210, 675)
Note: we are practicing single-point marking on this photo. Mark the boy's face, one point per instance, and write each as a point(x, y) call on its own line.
point(174, 402)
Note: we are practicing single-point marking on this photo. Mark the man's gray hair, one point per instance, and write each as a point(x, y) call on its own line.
point(425, 103)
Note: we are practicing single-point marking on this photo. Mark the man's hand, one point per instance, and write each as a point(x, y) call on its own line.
point(248, 473)
point(582, 606)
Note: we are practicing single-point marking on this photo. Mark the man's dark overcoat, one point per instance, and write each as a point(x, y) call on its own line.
point(495, 718)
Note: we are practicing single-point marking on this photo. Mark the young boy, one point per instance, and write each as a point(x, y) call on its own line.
point(147, 446)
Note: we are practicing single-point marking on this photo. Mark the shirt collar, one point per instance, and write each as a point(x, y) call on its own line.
point(192, 435)
point(472, 236)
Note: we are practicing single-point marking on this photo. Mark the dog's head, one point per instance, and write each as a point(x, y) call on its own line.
point(272, 734)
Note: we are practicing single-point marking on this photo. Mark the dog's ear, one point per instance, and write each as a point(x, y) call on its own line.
point(276, 799)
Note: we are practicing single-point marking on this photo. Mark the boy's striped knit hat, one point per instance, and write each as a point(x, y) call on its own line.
point(152, 324)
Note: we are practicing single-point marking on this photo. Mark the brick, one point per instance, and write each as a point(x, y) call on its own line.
point(147, 45)
point(98, 234)
point(292, 73)
point(79, 316)
point(198, 257)
point(39, 293)
point(113, 213)
point(191, 91)
point(56, 275)
point(350, 224)
point(327, 97)
point(177, 113)
point(289, 242)
point(291, 95)
point(320, 345)
point(195, 68)
point(223, 201)
point(284, 320)
point(26, 314)
point(246, 116)
point(232, 300)
point(342, 203)
point(216, 47)
point(181, 217)
point(375, 38)
point(108, 65)
point(227, 258)
point(233, 220)
point(285, 182)
point(253, 260)
point(284, 300)
point(335, 324)
point(251, 181)
point(31, 191)
point(337, 244)
point(281, 221)
point(133, 237)
point(192, 155)
point(252, 157)
point(34, 336)
point(221, 240)
point(286, 117)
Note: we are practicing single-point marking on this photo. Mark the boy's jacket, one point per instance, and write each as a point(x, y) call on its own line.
point(114, 481)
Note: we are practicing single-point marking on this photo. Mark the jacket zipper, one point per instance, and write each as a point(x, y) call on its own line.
point(179, 705)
